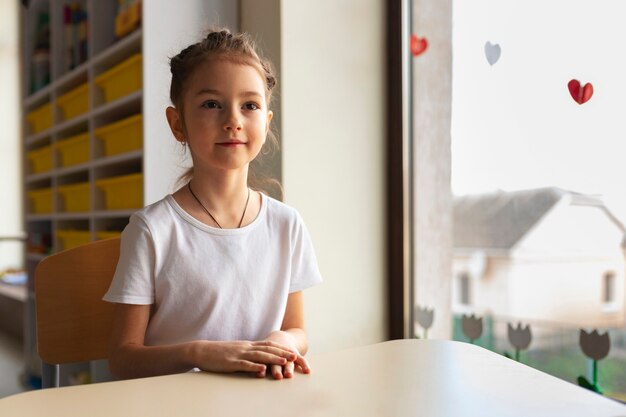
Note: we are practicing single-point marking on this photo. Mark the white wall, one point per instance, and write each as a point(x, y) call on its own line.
point(333, 134)
point(11, 220)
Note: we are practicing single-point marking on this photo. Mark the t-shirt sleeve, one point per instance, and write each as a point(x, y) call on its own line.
point(133, 282)
point(304, 269)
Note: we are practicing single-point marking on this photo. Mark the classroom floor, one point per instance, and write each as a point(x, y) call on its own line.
point(11, 366)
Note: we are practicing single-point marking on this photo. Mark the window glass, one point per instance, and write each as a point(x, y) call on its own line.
point(537, 141)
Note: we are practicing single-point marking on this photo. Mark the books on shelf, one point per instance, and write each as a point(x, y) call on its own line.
point(40, 65)
point(75, 32)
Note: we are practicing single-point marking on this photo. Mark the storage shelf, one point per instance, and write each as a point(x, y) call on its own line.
point(35, 256)
point(31, 217)
point(33, 139)
point(163, 32)
point(68, 124)
point(37, 98)
point(72, 169)
point(122, 48)
point(30, 178)
point(115, 159)
point(72, 215)
point(126, 102)
point(80, 215)
point(76, 76)
point(102, 214)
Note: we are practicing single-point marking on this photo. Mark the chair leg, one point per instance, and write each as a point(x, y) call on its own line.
point(50, 375)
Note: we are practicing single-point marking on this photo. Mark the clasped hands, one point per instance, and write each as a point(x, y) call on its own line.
point(276, 355)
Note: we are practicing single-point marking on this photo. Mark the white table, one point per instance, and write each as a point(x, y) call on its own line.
point(398, 378)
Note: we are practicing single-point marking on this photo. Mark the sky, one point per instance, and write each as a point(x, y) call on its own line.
point(514, 124)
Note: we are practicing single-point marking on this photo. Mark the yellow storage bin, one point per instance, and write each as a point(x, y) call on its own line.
point(74, 102)
point(127, 20)
point(72, 238)
point(123, 136)
point(74, 150)
point(40, 200)
point(122, 79)
point(40, 119)
point(125, 192)
point(40, 160)
point(75, 196)
point(107, 235)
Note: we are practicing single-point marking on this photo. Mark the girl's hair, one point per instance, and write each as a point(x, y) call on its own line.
point(239, 48)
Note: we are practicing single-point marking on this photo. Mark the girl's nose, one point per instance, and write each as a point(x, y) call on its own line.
point(232, 121)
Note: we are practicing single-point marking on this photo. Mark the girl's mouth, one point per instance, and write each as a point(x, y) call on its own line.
point(231, 143)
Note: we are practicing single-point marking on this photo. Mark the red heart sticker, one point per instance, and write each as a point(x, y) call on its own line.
point(580, 95)
point(418, 45)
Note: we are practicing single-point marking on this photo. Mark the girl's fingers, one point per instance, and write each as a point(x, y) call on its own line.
point(248, 366)
point(288, 370)
point(287, 354)
point(303, 364)
point(272, 344)
point(263, 357)
point(277, 371)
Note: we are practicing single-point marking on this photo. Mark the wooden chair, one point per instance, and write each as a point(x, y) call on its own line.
point(73, 323)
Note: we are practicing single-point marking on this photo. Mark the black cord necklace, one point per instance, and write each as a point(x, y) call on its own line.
point(209, 213)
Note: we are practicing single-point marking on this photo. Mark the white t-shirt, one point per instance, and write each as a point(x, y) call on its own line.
point(207, 283)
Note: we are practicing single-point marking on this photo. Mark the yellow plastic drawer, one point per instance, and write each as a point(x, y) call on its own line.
point(71, 238)
point(40, 160)
point(123, 136)
point(74, 150)
point(40, 200)
point(127, 20)
point(107, 235)
point(75, 196)
point(74, 102)
point(125, 192)
point(40, 119)
point(122, 79)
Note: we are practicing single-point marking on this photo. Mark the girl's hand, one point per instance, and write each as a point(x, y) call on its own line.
point(299, 363)
point(241, 356)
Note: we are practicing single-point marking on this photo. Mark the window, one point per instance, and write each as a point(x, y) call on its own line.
point(609, 288)
point(533, 117)
point(464, 288)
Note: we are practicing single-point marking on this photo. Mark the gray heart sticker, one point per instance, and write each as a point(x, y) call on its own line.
point(492, 52)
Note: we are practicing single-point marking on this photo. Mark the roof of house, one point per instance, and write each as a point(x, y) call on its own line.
point(500, 219)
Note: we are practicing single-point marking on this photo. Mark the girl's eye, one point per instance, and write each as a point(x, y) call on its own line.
point(251, 106)
point(210, 105)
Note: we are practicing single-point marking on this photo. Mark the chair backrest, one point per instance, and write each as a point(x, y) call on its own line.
point(73, 323)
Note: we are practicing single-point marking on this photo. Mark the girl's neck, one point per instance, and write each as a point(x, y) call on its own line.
point(220, 190)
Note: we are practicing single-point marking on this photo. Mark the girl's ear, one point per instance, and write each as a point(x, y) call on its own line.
point(176, 123)
point(270, 115)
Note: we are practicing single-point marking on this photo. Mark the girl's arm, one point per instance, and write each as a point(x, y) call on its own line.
point(292, 334)
point(130, 358)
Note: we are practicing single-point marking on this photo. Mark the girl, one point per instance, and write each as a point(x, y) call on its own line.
point(211, 277)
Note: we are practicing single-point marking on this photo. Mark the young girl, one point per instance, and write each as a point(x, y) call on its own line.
point(211, 277)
